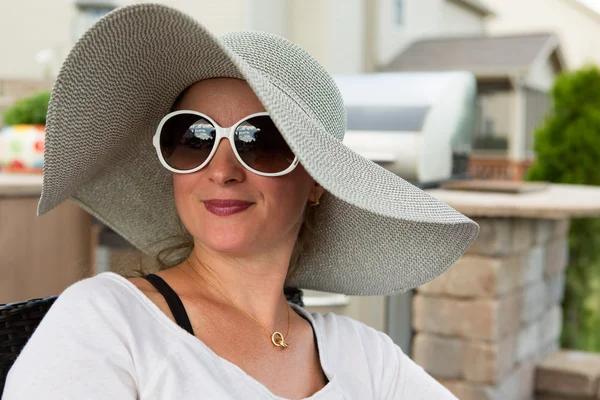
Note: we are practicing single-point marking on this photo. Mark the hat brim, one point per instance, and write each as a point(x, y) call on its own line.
point(376, 233)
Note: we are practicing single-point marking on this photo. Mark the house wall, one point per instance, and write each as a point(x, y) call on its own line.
point(333, 31)
point(577, 27)
point(218, 16)
point(419, 18)
point(307, 20)
point(36, 25)
point(28, 27)
point(346, 30)
point(541, 75)
point(457, 20)
point(422, 18)
point(267, 15)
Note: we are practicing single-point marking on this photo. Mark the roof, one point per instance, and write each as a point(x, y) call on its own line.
point(483, 55)
point(476, 6)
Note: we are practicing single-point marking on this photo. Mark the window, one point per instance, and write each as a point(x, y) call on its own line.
point(88, 13)
point(399, 11)
point(494, 112)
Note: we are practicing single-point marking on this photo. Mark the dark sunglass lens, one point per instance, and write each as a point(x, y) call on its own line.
point(261, 146)
point(186, 141)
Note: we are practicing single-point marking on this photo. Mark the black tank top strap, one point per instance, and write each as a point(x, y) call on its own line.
point(173, 301)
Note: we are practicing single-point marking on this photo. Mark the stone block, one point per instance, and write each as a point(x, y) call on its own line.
point(489, 362)
point(556, 256)
point(474, 361)
point(532, 265)
point(478, 276)
point(519, 385)
point(569, 373)
point(544, 231)
point(550, 327)
point(470, 276)
point(484, 319)
point(495, 237)
point(537, 337)
point(534, 302)
point(482, 276)
point(523, 234)
point(555, 289)
point(440, 356)
point(528, 341)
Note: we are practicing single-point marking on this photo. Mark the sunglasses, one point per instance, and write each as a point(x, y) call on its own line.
point(186, 141)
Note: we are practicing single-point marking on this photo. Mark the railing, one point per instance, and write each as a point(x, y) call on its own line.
point(494, 169)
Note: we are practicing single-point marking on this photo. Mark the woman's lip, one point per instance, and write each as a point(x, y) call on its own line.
point(226, 203)
point(226, 207)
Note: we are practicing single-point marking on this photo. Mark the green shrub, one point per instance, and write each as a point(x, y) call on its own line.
point(31, 110)
point(567, 148)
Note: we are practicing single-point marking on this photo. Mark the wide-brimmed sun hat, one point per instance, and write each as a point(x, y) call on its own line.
point(376, 234)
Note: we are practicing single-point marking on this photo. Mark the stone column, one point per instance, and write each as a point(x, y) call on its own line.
point(481, 327)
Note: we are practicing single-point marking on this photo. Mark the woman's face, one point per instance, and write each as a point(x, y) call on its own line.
point(276, 203)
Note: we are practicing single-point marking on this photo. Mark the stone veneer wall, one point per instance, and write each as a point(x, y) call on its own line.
point(482, 326)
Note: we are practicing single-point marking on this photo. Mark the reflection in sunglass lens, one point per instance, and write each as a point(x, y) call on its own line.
point(186, 141)
point(261, 146)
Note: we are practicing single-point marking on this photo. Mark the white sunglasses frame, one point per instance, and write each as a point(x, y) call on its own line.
point(222, 132)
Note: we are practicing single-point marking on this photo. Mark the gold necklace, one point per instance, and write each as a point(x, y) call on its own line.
point(277, 338)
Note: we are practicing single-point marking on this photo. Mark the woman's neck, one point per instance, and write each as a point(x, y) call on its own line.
point(254, 282)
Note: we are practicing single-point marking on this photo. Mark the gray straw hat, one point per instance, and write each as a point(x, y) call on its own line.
point(376, 234)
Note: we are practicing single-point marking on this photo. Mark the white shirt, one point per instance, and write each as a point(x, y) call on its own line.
point(104, 339)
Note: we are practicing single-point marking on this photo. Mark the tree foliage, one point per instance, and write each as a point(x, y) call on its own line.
point(567, 148)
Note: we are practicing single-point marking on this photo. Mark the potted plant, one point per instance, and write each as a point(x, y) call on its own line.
point(22, 138)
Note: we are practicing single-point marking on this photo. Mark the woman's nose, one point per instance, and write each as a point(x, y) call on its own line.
point(224, 166)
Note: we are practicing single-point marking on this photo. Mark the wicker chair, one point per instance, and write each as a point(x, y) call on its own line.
point(17, 323)
point(19, 320)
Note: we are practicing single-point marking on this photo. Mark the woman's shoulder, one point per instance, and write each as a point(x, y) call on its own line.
point(104, 288)
point(92, 323)
point(106, 305)
point(106, 295)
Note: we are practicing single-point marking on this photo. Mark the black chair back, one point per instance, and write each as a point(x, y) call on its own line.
point(18, 321)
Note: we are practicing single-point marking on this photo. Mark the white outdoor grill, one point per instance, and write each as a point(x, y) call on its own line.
point(417, 125)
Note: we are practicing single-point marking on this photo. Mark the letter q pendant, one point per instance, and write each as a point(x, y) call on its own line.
point(278, 340)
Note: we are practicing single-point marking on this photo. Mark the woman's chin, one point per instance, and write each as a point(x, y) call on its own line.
point(231, 243)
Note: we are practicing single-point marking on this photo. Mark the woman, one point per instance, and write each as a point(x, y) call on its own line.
point(155, 123)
